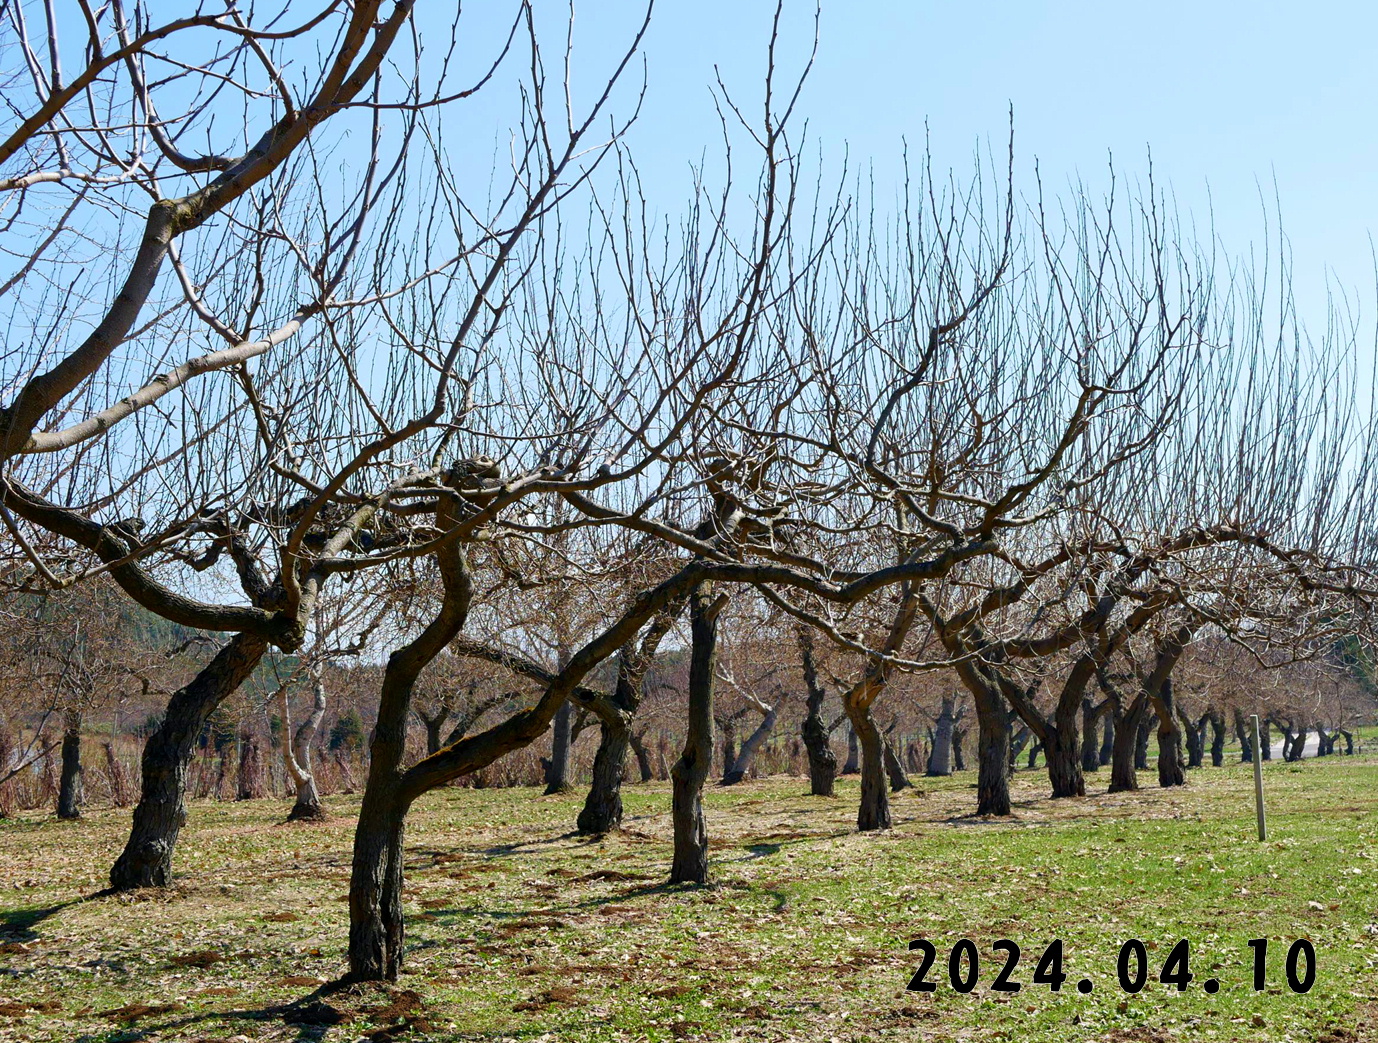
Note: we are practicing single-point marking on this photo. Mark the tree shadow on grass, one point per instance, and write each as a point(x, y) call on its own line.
point(17, 925)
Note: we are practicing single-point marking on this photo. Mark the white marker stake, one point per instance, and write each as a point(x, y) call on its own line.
point(1258, 781)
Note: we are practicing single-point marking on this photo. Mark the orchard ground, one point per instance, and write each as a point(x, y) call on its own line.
point(518, 930)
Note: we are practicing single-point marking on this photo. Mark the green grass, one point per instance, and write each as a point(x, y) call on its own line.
point(803, 935)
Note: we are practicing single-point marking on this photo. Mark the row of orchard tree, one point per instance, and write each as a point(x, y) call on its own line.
point(284, 364)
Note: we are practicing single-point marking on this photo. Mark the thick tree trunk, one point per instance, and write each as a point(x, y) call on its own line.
point(1124, 756)
point(873, 812)
point(147, 857)
point(643, 756)
point(1325, 742)
point(853, 764)
point(1266, 739)
point(557, 774)
point(602, 810)
point(1217, 722)
point(1062, 747)
point(814, 730)
point(1170, 771)
point(69, 791)
point(690, 772)
point(1107, 742)
point(1298, 747)
point(1349, 742)
point(940, 759)
point(992, 755)
point(375, 887)
point(959, 762)
point(822, 760)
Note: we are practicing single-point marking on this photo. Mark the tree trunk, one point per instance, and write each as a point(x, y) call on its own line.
point(1246, 739)
point(853, 764)
point(1107, 743)
point(643, 756)
point(1298, 749)
point(1349, 741)
point(69, 792)
point(898, 779)
point(940, 760)
point(147, 857)
point(1034, 750)
point(602, 810)
point(375, 886)
point(814, 730)
point(1124, 755)
point(249, 778)
point(297, 753)
point(959, 762)
point(557, 774)
point(1266, 739)
point(873, 812)
point(1195, 734)
point(992, 755)
point(1141, 745)
point(1217, 739)
point(746, 756)
point(1090, 735)
point(690, 863)
point(1062, 747)
point(1170, 771)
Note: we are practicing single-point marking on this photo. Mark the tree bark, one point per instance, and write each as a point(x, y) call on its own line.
point(1062, 747)
point(1246, 739)
point(853, 763)
point(690, 864)
point(1170, 771)
point(1266, 739)
point(557, 775)
point(940, 759)
point(893, 768)
point(296, 753)
point(643, 756)
point(147, 857)
point(959, 762)
point(1141, 743)
point(1217, 722)
point(873, 812)
point(602, 810)
point(992, 755)
point(1107, 743)
point(746, 756)
point(1124, 757)
point(814, 730)
point(69, 792)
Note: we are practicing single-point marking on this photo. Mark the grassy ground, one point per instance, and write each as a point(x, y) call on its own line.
point(519, 931)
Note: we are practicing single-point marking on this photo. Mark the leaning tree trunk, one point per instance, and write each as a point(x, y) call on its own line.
point(1170, 771)
point(643, 756)
point(746, 756)
point(992, 755)
point(873, 812)
point(602, 810)
point(557, 774)
point(1298, 745)
point(690, 772)
point(853, 764)
point(296, 753)
point(898, 779)
point(1325, 742)
point(69, 789)
point(1349, 742)
point(940, 760)
point(147, 857)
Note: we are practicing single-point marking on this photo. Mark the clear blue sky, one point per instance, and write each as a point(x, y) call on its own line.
point(1228, 96)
